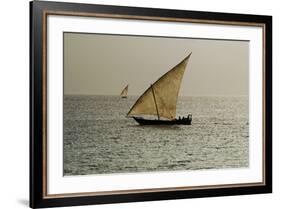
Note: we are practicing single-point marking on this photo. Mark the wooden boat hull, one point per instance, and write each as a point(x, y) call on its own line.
point(143, 121)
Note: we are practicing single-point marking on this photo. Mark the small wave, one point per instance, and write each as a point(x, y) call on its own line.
point(184, 161)
point(115, 137)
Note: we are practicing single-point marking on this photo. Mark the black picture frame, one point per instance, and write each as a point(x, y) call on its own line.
point(38, 12)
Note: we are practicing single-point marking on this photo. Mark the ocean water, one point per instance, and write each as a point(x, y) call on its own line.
point(98, 138)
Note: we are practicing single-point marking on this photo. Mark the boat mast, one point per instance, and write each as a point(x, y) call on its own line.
point(155, 102)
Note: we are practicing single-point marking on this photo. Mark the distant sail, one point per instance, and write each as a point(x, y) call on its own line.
point(161, 97)
point(124, 93)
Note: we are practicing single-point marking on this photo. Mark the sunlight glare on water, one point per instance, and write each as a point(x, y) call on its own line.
point(98, 138)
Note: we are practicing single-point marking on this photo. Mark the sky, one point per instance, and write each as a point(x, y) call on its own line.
point(96, 64)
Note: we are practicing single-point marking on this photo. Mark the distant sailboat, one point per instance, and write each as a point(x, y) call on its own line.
point(124, 92)
point(160, 99)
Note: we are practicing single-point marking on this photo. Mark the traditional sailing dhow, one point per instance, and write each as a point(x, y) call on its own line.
point(160, 99)
point(124, 92)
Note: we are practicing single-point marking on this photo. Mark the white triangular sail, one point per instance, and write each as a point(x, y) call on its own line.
point(124, 92)
point(161, 97)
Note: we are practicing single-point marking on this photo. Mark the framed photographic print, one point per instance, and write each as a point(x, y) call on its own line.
point(139, 104)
